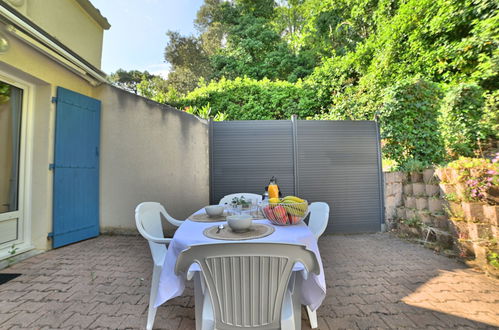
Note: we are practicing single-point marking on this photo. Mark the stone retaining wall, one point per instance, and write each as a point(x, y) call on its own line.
point(415, 206)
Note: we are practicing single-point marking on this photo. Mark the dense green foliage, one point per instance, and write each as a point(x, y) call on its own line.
point(411, 104)
point(189, 61)
point(490, 120)
point(128, 80)
point(461, 119)
point(346, 59)
point(246, 98)
point(445, 41)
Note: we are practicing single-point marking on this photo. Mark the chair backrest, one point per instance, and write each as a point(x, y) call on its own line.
point(319, 218)
point(148, 222)
point(228, 198)
point(247, 281)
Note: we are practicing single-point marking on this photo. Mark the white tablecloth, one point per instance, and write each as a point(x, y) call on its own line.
point(189, 233)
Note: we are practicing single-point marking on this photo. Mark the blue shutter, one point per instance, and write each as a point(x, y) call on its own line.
point(76, 168)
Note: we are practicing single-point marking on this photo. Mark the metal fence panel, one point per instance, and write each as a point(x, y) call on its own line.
point(246, 154)
point(338, 163)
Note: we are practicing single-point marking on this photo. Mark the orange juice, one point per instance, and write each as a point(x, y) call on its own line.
point(273, 189)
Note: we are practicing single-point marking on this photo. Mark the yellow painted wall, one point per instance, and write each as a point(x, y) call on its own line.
point(68, 22)
point(26, 59)
point(29, 65)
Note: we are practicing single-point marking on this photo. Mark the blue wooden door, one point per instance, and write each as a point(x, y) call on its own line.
point(76, 168)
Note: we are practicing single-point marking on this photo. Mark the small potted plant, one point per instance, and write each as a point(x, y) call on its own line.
point(240, 204)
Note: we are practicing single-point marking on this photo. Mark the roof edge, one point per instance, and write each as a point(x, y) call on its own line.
point(27, 27)
point(94, 13)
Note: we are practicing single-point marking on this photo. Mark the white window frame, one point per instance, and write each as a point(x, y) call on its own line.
point(23, 214)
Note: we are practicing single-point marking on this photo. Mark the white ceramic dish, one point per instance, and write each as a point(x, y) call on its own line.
point(214, 210)
point(239, 222)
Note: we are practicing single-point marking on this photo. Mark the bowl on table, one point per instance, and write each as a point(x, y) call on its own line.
point(239, 222)
point(214, 210)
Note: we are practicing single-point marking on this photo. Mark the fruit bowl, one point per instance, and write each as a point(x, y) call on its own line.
point(285, 213)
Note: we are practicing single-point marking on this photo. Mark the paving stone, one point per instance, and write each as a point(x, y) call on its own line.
point(23, 319)
point(12, 295)
point(8, 306)
point(103, 308)
point(14, 285)
point(397, 321)
point(104, 282)
point(58, 296)
point(134, 322)
point(43, 286)
point(128, 298)
point(107, 321)
point(129, 309)
point(4, 317)
point(79, 320)
point(30, 306)
point(370, 322)
point(347, 310)
point(187, 324)
point(105, 298)
point(171, 323)
point(82, 308)
point(368, 309)
point(35, 295)
point(425, 319)
point(53, 319)
point(341, 323)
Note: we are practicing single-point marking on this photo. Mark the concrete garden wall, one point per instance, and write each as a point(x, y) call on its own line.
point(149, 152)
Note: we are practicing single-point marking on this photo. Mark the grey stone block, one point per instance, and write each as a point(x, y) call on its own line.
point(422, 203)
point(407, 189)
point(418, 189)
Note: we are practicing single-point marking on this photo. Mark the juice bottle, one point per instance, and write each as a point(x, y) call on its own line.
point(273, 188)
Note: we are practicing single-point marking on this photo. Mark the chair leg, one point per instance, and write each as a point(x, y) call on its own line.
point(198, 300)
point(291, 307)
point(296, 296)
point(312, 316)
point(208, 316)
point(151, 314)
point(288, 320)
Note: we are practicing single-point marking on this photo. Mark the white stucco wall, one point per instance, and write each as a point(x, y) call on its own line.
point(149, 152)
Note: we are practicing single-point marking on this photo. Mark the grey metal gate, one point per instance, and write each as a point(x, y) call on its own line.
point(337, 162)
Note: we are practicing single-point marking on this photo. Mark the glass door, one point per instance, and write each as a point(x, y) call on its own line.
point(11, 212)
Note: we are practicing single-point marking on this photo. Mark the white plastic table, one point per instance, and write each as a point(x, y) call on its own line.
point(313, 288)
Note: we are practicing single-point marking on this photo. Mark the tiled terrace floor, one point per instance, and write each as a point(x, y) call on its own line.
point(373, 281)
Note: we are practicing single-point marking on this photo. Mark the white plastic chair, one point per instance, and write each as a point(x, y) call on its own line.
point(319, 218)
point(247, 283)
point(148, 222)
point(228, 198)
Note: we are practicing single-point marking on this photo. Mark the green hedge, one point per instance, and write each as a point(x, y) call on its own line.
point(409, 122)
point(461, 119)
point(490, 120)
point(250, 99)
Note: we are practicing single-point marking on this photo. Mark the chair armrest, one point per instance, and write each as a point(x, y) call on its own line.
point(159, 240)
point(174, 222)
